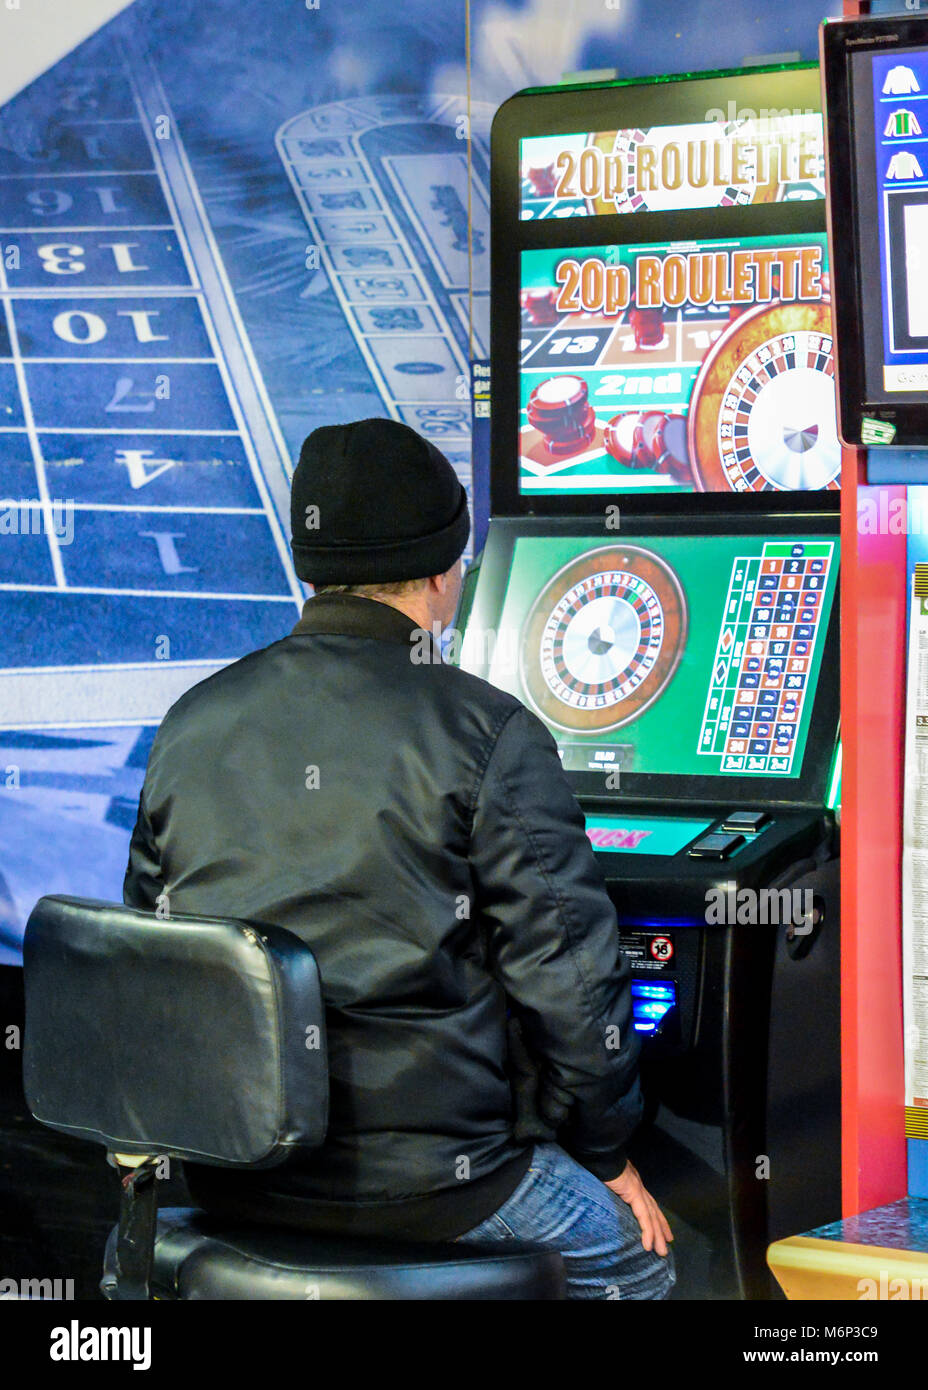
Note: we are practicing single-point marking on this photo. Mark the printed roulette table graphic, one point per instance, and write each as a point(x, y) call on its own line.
point(762, 416)
point(603, 638)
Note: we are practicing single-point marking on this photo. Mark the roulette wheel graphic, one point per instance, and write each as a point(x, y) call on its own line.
point(603, 638)
point(763, 415)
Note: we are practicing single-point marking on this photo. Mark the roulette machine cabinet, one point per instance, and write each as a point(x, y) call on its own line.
point(687, 678)
point(659, 585)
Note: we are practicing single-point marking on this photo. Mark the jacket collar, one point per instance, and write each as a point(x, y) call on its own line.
point(351, 615)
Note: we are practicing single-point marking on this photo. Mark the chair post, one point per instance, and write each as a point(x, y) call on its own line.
point(135, 1237)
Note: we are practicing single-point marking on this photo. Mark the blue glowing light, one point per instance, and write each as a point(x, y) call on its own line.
point(650, 1002)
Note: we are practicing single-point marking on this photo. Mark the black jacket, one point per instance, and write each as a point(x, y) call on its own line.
point(414, 826)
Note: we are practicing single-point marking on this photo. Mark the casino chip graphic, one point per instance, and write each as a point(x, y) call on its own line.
point(762, 416)
point(559, 407)
point(603, 639)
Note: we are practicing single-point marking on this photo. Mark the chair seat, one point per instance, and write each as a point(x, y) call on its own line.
point(202, 1257)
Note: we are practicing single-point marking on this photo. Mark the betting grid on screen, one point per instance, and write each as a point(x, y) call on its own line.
point(144, 546)
point(760, 688)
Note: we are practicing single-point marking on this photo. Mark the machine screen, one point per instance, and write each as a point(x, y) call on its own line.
point(663, 835)
point(891, 110)
point(667, 655)
point(678, 367)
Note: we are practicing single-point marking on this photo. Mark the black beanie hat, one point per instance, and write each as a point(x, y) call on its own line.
point(390, 506)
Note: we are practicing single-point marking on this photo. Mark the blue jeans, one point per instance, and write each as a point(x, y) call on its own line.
point(561, 1204)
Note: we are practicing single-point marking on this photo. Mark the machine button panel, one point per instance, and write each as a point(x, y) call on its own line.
point(745, 822)
point(715, 846)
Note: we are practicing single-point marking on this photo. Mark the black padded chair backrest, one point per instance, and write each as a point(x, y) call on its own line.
point(198, 1037)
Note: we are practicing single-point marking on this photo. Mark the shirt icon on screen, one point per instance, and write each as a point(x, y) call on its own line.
point(900, 81)
point(902, 123)
point(904, 166)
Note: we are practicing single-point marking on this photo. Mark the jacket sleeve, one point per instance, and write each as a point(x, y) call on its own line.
point(143, 883)
point(553, 944)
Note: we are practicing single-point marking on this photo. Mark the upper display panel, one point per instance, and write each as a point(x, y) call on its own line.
point(661, 296)
point(733, 158)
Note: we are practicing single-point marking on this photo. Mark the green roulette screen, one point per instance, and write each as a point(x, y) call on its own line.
point(667, 655)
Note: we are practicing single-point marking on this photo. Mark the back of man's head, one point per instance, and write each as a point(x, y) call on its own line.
point(375, 506)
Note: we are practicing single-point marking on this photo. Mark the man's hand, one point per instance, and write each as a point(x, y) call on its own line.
point(655, 1231)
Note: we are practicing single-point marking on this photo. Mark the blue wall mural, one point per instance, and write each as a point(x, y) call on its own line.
point(223, 223)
